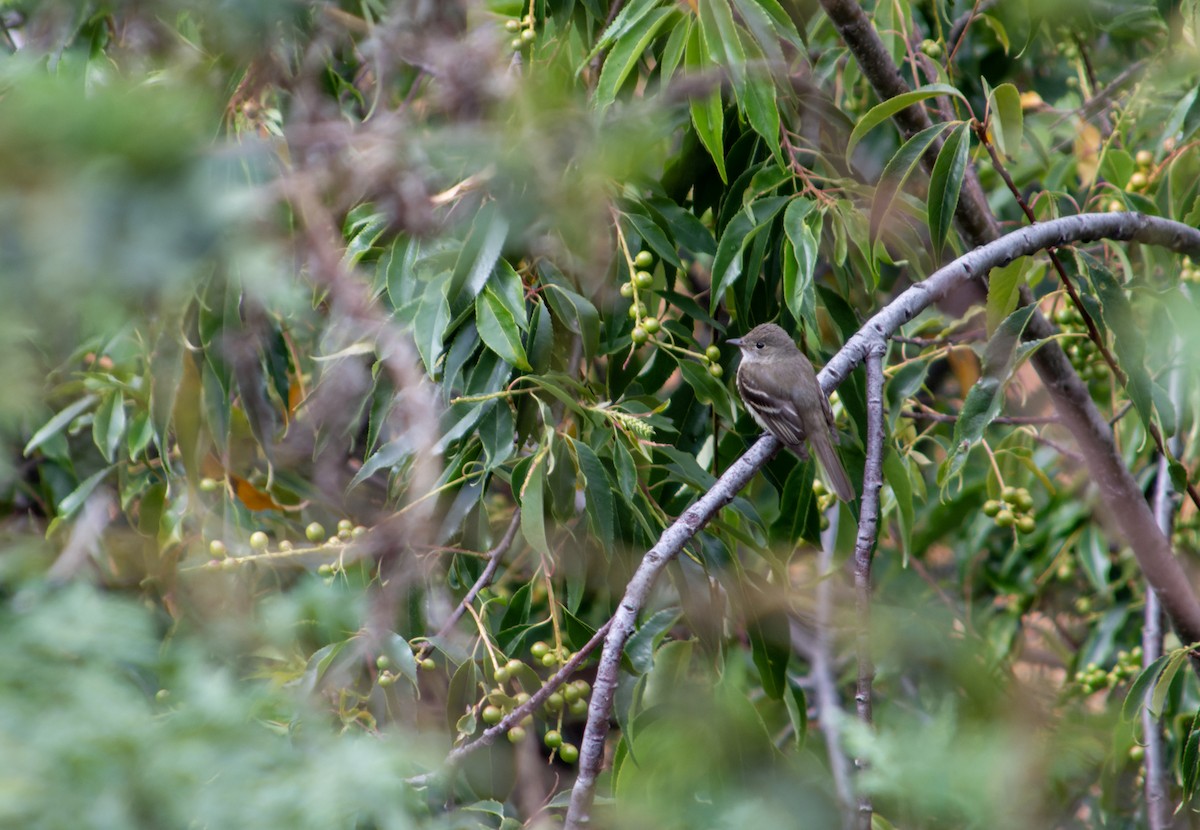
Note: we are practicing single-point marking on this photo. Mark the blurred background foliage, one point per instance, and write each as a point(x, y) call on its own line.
point(306, 303)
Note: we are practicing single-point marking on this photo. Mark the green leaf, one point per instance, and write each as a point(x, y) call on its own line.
point(624, 57)
point(741, 230)
point(721, 38)
point(579, 315)
point(640, 648)
point(532, 497)
point(653, 236)
point(507, 285)
point(1135, 698)
point(1004, 289)
point(758, 102)
point(770, 643)
point(496, 431)
point(108, 425)
point(498, 329)
point(945, 184)
point(798, 292)
point(1005, 107)
point(599, 492)
point(986, 397)
point(430, 323)
point(708, 389)
point(539, 345)
point(895, 472)
point(478, 257)
point(897, 171)
point(139, 435)
point(708, 116)
point(58, 423)
point(75, 499)
point(797, 709)
point(626, 19)
point(882, 112)
point(1129, 340)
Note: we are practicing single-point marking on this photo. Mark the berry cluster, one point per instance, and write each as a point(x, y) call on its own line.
point(259, 543)
point(1084, 355)
point(523, 29)
point(1092, 678)
point(638, 289)
point(1014, 508)
point(1189, 272)
point(570, 699)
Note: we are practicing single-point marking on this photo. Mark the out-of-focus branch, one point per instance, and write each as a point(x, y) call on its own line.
point(830, 716)
point(864, 546)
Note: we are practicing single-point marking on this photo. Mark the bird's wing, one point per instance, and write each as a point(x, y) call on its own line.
point(774, 402)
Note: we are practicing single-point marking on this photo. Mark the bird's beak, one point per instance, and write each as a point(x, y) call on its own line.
point(736, 341)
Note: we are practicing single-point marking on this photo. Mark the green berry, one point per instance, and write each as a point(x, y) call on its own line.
point(552, 738)
point(1026, 524)
point(382, 661)
point(522, 698)
point(570, 693)
point(427, 664)
point(991, 507)
point(554, 702)
point(651, 325)
point(715, 370)
point(1009, 494)
point(638, 310)
point(517, 44)
point(208, 485)
point(345, 525)
point(627, 290)
point(514, 665)
point(492, 714)
point(516, 734)
point(644, 280)
point(1005, 518)
point(549, 659)
point(583, 686)
point(512, 25)
point(643, 260)
point(502, 674)
point(1138, 181)
point(639, 335)
point(578, 707)
point(539, 650)
point(315, 532)
point(713, 354)
point(387, 679)
point(528, 35)
point(569, 753)
point(259, 540)
point(217, 548)
point(1024, 500)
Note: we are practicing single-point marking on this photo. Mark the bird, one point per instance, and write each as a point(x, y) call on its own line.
point(779, 387)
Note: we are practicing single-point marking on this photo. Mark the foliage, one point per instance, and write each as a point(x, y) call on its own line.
point(306, 303)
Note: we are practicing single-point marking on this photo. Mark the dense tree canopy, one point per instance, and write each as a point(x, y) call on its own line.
point(373, 457)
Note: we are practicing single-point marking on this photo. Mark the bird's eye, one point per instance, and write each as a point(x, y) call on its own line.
point(759, 344)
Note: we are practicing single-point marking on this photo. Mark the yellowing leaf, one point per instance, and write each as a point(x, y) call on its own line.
point(1087, 152)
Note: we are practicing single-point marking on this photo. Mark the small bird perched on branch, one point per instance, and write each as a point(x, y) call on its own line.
point(779, 387)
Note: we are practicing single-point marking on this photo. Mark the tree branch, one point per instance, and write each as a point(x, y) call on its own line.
point(864, 545)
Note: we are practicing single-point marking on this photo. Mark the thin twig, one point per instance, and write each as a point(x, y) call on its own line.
point(864, 545)
point(485, 579)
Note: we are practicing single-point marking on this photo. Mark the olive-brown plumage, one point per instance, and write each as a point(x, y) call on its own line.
point(779, 387)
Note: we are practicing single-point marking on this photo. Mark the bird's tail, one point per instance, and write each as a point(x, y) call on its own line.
point(827, 456)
